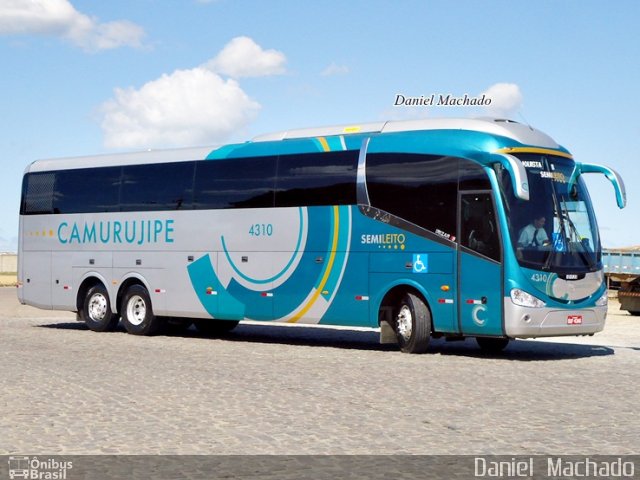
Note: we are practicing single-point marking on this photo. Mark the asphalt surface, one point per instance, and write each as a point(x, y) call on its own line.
point(301, 390)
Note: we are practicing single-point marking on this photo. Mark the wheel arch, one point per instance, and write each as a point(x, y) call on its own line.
point(126, 282)
point(390, 296)
point(88, 280)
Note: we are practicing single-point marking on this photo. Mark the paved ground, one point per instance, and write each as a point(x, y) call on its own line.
point(281, 390)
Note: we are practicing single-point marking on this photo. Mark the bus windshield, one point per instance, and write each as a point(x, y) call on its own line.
point(555, 229)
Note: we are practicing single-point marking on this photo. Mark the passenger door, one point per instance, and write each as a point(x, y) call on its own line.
point(479, 266)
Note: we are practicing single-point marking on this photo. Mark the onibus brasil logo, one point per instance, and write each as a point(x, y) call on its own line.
point(36, 468)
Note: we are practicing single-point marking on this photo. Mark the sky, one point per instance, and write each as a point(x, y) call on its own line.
point(84, 77)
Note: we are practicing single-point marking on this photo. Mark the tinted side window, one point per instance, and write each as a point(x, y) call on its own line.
point(422, 189)
point(473, 176)
point(478, 226)
point(327, 178)
point(163, 186)
point(235, 183)
point(37, 193)
point(87, 190)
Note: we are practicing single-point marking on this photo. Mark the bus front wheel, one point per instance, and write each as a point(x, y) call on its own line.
point(96, 310)
point(413, 324)
point(137, 313)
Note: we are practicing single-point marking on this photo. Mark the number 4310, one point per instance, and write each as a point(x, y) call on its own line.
point(540, 277)
point(261, 230)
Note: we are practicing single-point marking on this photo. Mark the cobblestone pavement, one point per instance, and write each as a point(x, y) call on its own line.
point(283, 390)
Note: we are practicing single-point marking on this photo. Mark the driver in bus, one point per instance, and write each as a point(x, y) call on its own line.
point(534, 235)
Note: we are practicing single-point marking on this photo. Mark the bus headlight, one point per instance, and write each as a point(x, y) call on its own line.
point(603, 300)
point(524, 299)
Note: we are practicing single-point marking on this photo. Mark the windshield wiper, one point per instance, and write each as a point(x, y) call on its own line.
point(574, 231)
point(558, 214)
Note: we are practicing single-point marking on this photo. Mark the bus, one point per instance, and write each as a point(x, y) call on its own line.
point(429, 228)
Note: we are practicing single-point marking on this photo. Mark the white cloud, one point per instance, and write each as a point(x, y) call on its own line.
point(190, 107)
point(59, 18)
point(335, 69)
point(187, 107)
point(242, 57)
point(506, 99)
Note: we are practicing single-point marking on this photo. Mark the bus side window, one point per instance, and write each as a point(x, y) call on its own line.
point(38, 193)
point(478, 230)
point(87, 190)
point(144, 187)
point(421, 189)
point(327, 178)
point(235, 183)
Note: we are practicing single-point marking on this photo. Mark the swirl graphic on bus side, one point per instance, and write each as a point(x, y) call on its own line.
point(292, 262)
point(235, 294)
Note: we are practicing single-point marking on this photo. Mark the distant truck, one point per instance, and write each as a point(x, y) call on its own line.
point(624, 266)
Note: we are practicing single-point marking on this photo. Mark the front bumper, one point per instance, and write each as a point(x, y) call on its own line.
point(527, 322)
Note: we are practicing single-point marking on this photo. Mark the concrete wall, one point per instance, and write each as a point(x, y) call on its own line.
point(8, 262)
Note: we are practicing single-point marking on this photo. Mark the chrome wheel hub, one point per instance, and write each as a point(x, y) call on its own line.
point(97, 308)
point(404, 322)
point(136, 310)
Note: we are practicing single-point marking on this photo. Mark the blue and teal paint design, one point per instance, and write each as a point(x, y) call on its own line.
point(358, 265)
point(555, 288)
point(305, 293)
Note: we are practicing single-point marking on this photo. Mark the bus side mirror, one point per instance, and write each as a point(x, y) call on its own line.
point(612, 176)
point(518, 174)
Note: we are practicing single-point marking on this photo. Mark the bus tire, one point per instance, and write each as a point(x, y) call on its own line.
point(215, 327)
point(96, 310)
point(413, 324)
point(492, 344)
point(137, 312)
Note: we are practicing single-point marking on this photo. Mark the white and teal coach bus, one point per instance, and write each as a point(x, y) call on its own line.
point(430, 228)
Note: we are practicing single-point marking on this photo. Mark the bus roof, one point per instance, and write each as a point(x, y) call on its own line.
point(518, 132)
point(524, 134)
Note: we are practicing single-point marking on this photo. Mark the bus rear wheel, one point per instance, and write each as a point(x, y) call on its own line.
point(137, 312)
point(413, 324)
point(492, 344)
point(96, 310)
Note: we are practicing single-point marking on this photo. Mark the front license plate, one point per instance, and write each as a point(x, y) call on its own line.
point(574, 319)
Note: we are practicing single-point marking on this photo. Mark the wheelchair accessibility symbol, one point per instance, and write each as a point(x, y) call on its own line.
point(420, 263)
